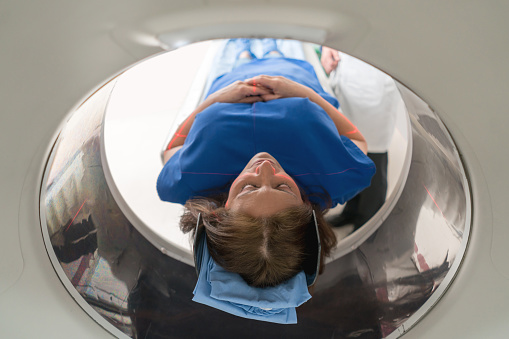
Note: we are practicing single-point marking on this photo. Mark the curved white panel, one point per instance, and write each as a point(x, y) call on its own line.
point(453, 55)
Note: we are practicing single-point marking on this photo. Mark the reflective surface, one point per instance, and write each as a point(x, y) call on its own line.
point(378, 290)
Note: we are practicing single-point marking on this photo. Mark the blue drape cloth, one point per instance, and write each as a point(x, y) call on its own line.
point(228, 292)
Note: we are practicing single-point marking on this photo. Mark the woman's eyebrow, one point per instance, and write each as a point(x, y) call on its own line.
point(239, 177)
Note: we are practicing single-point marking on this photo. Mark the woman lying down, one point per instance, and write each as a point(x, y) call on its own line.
point(256, 165)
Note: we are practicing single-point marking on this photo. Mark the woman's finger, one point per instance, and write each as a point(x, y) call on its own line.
point(261, 80)
point(251, 99)
point(269, 97)
point(259, 90)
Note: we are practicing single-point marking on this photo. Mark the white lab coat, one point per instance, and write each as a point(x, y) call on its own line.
point(369, 98)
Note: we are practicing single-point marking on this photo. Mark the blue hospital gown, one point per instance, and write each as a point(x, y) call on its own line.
point(295, 131)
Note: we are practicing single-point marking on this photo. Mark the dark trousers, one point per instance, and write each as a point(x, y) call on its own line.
point(364, 205)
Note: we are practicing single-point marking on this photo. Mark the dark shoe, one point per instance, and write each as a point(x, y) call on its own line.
point(342, 220)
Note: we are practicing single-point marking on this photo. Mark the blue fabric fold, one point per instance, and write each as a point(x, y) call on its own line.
point(228, 292)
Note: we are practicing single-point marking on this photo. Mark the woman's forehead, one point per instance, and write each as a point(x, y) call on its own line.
point(265, 202)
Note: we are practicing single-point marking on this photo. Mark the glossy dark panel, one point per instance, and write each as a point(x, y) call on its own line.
point(377, 290)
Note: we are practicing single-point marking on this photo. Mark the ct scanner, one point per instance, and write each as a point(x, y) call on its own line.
point(451, 55)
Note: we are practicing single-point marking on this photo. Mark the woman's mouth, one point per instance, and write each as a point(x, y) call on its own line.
point(262, 160)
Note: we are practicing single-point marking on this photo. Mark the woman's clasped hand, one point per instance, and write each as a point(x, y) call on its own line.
point(279, 87)
point(260, 88)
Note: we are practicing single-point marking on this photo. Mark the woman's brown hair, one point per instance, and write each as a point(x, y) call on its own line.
point(265, 251)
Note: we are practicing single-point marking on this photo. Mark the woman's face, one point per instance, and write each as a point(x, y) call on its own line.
point(263, 188)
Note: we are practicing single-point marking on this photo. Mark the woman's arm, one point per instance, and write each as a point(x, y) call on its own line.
point(237, 92)
point(180, 136)
point(169, 153)
point(282, 87)
point(343, 125)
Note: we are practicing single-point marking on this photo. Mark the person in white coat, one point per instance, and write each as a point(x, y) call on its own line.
point(370, 99)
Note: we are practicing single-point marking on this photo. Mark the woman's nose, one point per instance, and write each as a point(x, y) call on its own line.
point(265, 170)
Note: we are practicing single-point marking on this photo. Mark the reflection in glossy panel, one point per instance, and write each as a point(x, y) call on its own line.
point(386, 283)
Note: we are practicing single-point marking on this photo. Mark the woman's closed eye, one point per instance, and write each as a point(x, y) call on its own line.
point(284, 186)
point(248, 187)
point(281, 186)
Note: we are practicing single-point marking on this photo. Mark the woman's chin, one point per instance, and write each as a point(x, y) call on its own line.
point(263, 155)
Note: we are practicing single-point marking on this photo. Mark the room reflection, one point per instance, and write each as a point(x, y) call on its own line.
point(142, 285)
